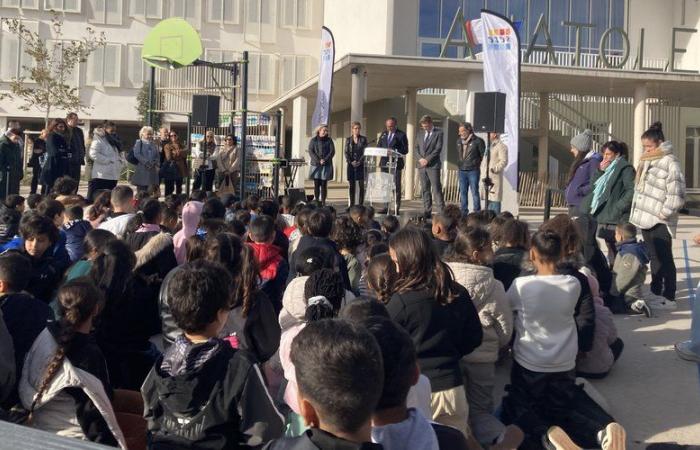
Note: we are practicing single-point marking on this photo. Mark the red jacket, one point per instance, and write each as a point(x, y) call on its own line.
point(268, 257)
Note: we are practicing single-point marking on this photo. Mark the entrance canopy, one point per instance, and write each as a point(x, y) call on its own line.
point(391, 76)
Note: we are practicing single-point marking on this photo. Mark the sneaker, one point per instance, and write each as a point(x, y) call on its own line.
point(641, 307)
point(663, 304)
point(557, 439)
point(613, 437)
point(684, 352)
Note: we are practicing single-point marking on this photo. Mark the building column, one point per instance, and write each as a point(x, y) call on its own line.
point(300, 143)
point(475, 84)
point(357, 94)
point(3, 123)
point(543, 141)
point(640, 118)
point(411, 119)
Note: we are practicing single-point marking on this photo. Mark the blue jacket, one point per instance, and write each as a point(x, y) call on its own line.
point(580, 184)
point(75, 231)
point(638, 249)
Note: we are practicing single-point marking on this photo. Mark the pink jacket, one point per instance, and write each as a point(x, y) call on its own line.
point(600, 359)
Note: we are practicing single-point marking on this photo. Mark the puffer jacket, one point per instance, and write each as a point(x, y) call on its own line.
point(294, 304)
point(659, 191)
point(107, 162)
point(494, 310)
point(600, 359)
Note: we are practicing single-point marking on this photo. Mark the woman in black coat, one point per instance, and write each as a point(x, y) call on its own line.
point(38, 151)
point(321, 152)
point(57, 155)
point(354, 151)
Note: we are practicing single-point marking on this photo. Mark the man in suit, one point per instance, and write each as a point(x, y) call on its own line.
point(394, 139)
point(429, 149)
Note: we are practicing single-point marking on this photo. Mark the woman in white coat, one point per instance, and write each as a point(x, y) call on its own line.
point(107, 161)
point(496, 165)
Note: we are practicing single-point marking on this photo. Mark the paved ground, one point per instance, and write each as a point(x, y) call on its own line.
point(654, 394)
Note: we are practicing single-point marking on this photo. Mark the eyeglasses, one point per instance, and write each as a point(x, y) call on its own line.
point(173, 135)
point(229, 139)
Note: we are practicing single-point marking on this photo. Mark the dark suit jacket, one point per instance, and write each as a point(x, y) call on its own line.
point(399, 142)
point(431, 148)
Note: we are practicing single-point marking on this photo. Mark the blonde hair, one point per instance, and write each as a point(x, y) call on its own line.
point(319, 127)
point(144, 130)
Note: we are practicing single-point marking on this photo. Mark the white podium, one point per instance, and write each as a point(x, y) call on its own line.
point(380, 186)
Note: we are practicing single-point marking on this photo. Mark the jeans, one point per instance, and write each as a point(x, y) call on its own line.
point(430, 181)
point(204, 180)
point(495, 207)
point(695, 323)
point(320, 190)
point(469, 179)
point(663, 268)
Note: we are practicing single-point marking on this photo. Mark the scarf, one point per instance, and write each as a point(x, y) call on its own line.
point(114, 140)
point(652, 155)
point(601, 184)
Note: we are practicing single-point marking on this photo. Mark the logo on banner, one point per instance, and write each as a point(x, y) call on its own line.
point(499, 39)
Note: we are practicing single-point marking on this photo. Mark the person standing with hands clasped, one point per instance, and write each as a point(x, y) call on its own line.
point(429, 149)
point(145, 176)
point(496, 162)
point(470, 149)
point(321, 153)
point(659, 193)
point(354, 151)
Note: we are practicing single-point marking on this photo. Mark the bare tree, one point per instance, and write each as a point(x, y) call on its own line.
point(44, 85)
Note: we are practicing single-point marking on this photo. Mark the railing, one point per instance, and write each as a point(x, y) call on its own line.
point(432, 91)
point(589, 60)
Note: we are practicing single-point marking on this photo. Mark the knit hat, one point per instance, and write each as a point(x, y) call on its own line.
point(583, 141)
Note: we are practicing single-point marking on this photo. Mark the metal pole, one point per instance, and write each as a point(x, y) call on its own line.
point(547, 204)
point(151, 96)
point(189, 154)
point(276, 167)
point(234, 75)
point(487, 178)
point(244, 119)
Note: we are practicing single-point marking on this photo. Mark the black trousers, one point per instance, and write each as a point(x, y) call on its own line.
point(663, 268)
point(74, 171)
point(536, 401)
point(204, 180)
point(98, 184)
point(607, 233)
point(173, 186)
point(320, 190)
point(353, 189)
point(36, 173)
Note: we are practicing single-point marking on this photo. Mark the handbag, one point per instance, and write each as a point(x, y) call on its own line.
point(131, 157)
point(169, 171)
point(226, 186)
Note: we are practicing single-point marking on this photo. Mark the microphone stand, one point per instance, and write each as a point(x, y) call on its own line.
point(487, 178)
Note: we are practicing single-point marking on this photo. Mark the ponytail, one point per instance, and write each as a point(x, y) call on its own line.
point(319, 308)
point(381, 277)
point(77, 301)
point(324, 293)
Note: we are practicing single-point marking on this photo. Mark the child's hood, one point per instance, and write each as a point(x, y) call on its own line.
point(638, 249)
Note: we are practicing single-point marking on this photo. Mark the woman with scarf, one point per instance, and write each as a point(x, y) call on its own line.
point(228, 165)
point(57, 155)
point(321, 152)
point(107, 162)
point(610, 200)
point(145, 176)
point(583, 169)
point(659, 193)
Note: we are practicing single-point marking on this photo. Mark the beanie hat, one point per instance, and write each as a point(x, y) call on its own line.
point(583, 141)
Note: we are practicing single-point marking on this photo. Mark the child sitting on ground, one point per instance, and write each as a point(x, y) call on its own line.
point(469, 260)
point(542, 390)
point(64, 384)
point(443, 229)
point(75, 229)
point(348, 236)
point(272, 266)
point(202, 391)
point(339, 368)
point(511, 259)
point(390, 225)
point(630, 269)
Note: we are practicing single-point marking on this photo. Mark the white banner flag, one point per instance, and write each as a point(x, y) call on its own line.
point(501, 55)
point(322, 111)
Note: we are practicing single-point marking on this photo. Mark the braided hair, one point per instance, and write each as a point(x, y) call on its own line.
point(78, 300)
point(324, 293)
point(381, 276)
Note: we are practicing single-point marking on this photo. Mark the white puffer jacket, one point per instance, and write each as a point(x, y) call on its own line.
point(294, 306)
point(490, 301)
point(56, 411)
point(107, 161)
point(659, 192)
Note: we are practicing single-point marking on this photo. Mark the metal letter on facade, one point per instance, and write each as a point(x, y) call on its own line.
point(548, 47)
point(579, 26)
point(603, 42)
point(675, 49)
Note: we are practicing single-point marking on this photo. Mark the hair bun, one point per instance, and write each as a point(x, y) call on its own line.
point(656, 126)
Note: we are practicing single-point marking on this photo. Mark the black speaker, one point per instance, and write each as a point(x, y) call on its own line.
point(489, 112)
point(205, 111)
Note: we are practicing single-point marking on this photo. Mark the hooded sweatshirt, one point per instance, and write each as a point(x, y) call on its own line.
point(415, 432)
point(190, 219)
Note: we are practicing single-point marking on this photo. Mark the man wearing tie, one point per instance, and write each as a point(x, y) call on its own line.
point(429, 149)
point(394, 139)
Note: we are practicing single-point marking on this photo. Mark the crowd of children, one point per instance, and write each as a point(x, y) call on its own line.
point(251, 324)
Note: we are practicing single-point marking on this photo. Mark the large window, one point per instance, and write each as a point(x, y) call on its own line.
point(692, 157)
point(63, 5)
point(108, 12)
point(436, 17)
point(295, 69)
point(24, 4)
point(137, 70)
point(56, 49)
point(190, 10)
point(224, 11)
point(104, 66)
point(146, 9)
point(261, 21)
point(14, 61)
point(261, 73)
point(220, 56)
point(296, 14)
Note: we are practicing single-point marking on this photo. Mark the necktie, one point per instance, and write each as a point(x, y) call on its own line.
point(427, 136)
point(391, 137)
